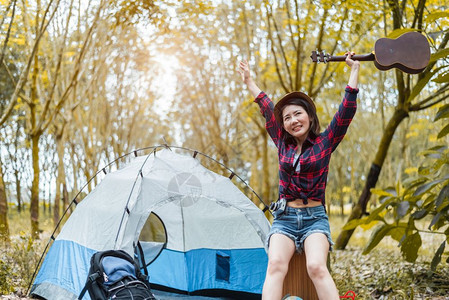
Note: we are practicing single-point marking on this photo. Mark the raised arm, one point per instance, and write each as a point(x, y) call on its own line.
point(265, 104)
point(246, 77)
point(343, 117)
point(355, 66)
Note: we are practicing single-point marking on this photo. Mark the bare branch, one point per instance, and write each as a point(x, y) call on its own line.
point(425, 103)
point(419, 13)
point(76, 73)
point(26, 69)
point(271, 39)
point(58, 67)
point(318, 46)
point(8, 33)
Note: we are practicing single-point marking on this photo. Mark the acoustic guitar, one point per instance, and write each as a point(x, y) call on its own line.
point(409, 53)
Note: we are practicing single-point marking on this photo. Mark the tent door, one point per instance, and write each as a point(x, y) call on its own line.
point(152, 239)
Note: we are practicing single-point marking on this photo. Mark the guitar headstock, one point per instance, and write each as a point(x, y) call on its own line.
point(320, 57)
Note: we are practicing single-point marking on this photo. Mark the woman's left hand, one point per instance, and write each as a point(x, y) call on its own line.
point(355, 66)
point(349, 61)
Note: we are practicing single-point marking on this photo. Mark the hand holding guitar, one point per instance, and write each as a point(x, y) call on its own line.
point(349, 60)
point(355, 66)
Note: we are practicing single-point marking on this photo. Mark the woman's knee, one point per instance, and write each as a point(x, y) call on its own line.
point(317, 270)
point(277, 265)
point(279, 253)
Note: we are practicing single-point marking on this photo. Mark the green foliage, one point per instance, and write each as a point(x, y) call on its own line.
point(421, 198)
point(437, 15)
point(410, 246)
point(422, 83)
point(414, 199)
point(378, 234)
point(443, 53)
point(5, 281)
point(398, 32)
point(437, 258)
point(443, 113)
point(17, 262)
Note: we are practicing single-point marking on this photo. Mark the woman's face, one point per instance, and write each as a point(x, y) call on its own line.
point(296, 121)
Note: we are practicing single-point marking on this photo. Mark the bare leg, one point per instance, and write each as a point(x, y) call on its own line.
point(316, 247)
point(280, 251)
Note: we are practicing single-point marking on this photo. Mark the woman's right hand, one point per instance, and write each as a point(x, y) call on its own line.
point(246, 77)
point(244, 71)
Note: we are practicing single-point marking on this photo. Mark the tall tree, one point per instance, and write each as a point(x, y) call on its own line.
point(45, 100)
point(61, 176)
point(18, 157)
point(4, 226)
point(411, 96)
point(115, 113)
point(203, 78)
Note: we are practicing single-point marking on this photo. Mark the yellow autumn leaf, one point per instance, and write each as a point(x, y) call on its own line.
point(18, 41)
point(432, 138)
point(44, 78)
point(374, 222)
point(369, 225)
point(346, 189)
point(411, 170)
point(412, 134)
point(70, 53)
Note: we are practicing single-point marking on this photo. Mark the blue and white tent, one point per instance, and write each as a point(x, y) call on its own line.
point(214, 234)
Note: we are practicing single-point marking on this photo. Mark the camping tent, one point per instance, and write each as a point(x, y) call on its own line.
point(214, 234)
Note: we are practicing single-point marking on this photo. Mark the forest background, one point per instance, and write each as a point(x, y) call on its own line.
point(85, 82)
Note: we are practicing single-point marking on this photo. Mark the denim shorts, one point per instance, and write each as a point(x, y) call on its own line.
point(299, 223)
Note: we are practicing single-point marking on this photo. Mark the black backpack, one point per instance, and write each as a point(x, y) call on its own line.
point(113, 274)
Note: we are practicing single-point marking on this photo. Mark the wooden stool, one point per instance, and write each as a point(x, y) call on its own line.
point(297, 281)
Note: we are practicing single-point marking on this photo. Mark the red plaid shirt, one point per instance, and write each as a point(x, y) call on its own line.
point(310, 181)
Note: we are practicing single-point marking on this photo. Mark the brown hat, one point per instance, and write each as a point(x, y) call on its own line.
point(285, 101)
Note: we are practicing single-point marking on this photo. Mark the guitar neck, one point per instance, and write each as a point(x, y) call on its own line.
point(364, 57)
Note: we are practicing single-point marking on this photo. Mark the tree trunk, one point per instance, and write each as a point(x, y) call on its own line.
point(35, 136)
point(44, 203)
point(60, 179)
point(4, 227)
point(57, 200)
point(373, 175)
point(34, 201)
point(65, 198)
point(18, 191)
point(74, 159)
point(340, 192)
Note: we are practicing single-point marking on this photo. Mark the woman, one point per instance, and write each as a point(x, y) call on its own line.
point(304, 155)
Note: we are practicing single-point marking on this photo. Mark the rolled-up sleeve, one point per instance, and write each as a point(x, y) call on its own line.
point(343, 117)
point(267, 109)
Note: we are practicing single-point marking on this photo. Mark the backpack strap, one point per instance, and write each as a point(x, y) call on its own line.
point(90, 280)
point(142, 259)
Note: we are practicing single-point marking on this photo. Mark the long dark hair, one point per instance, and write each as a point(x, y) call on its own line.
point(314, 129)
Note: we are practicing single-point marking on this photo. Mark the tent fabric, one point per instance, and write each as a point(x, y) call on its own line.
point(215, 234)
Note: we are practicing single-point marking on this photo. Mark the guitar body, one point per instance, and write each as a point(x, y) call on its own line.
point(410, 53)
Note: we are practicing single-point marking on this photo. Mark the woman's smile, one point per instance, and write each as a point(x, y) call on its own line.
point(296, 121)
